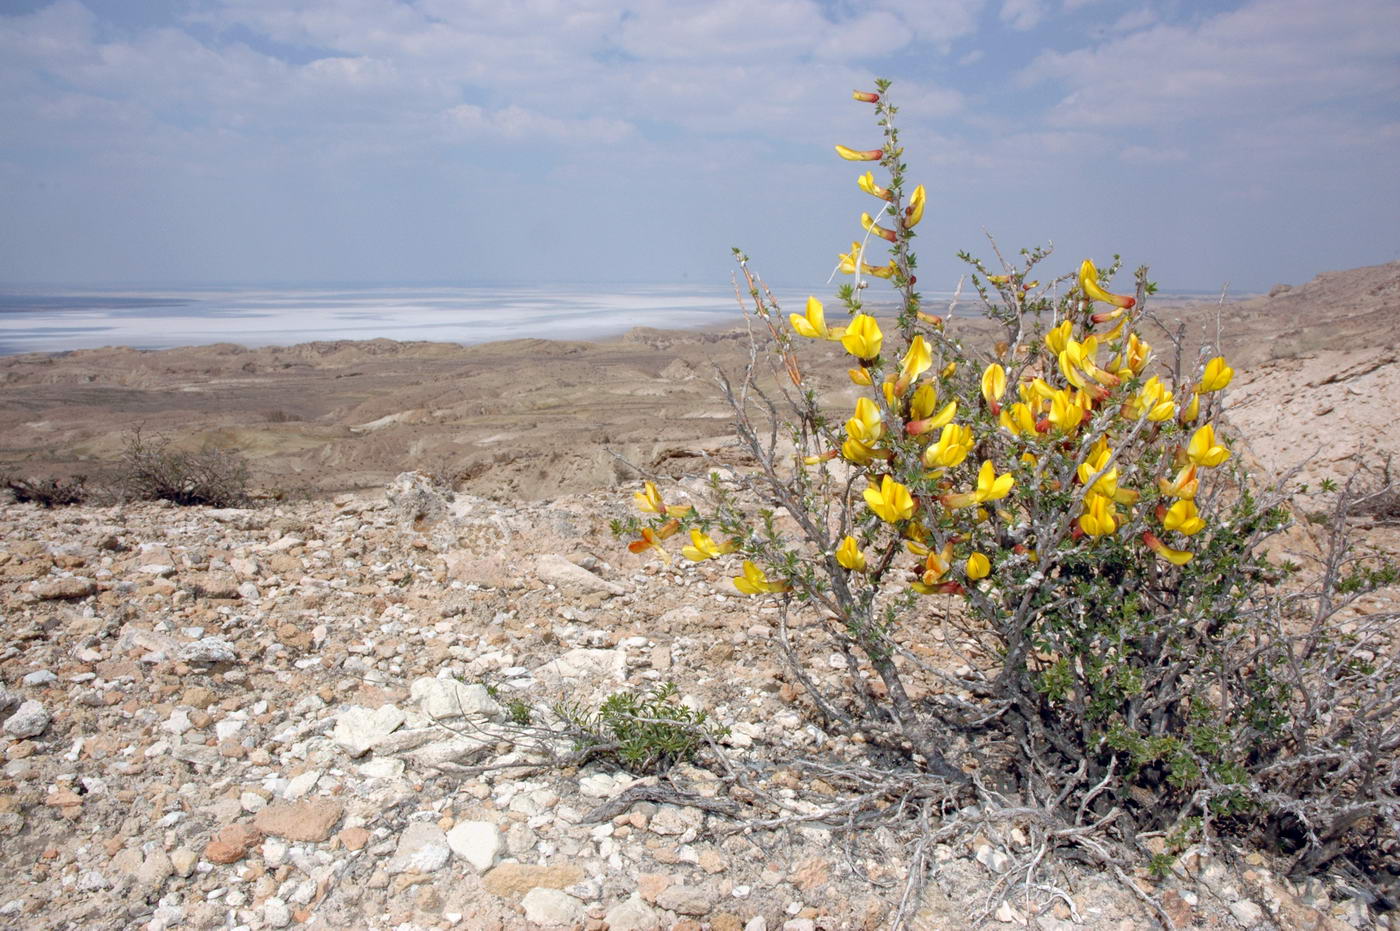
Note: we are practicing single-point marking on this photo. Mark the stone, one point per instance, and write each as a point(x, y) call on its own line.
point(353, 838)
point(422, 848)
point(512, 880)
point(632, 915)
point(686, 900)
point(155, 869)
point(477, 842)
point(552, 907)
point(276, 913)
point(71, 589)
point(301, 784)
point(30, 720)
point(651, 885)
point(232, 843)
point(443, 698)
point(558, 571)
point(183, 860)
point(584, 664)
point(359, 730)
point(207, 651)
point(1246, 912)
point(309, 821)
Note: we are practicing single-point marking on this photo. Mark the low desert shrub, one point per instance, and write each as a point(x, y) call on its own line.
point(646, 732)
point(47, 492)
point(1043, 563)
point(152, 469)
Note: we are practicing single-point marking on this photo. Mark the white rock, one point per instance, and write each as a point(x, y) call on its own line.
point(477, 842)
point(276, 913)
point(456, 750)
point(382, 768)
point(556, 570)
point(29, 721)
point(301, 784)
point(42, 677)
point(208, 650)
point(422, 848)
point(591, 665)
point(632, 915)
point(448, 698)
point(552, 907)
point(274, 852)
point(1246, 912)
point(359, 730)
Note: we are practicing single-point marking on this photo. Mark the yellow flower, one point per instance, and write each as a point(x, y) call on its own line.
point(865, 155)
point(867, 223)
point(1099, 518)
point(868, 185)
point(865, 96)
point(1097, 460)
point(928, 424)
point(1089, 284)
point(1018, 420)
point(978, 566)
point(703, 547)
point(1190, 412)
point(862, 338)
point(755, 582)
point(990, 487)
point(858, 376)
point(651, 539)
point(1066, 414)
point(848, 554)
point(857, 452)
point(1184, 485)
point(1183, 518)
point(813, 324)
point(1175, 557)
point(953, 446)
point(1154, 400)
point(915, 211)
point(891, 502)
point(993, 386)
point(1217, 375)
point(649, 502)
point(917, 360)
point(924, 400)
point(867, 426)
point(1203, 450)
point(1058, 338)
point(1134, 358)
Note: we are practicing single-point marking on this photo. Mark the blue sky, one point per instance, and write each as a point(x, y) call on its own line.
point(637, 140)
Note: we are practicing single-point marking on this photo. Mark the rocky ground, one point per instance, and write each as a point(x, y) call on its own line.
point(310, 712)
point(276, 717)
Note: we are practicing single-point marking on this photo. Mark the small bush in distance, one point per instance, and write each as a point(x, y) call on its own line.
point(152, 469)
point(48, 492)
point(645, 732)
point(1065, 509)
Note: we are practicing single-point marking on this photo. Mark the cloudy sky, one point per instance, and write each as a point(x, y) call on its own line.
point(298, 141)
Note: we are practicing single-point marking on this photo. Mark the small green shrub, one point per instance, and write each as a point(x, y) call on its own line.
point(645, 732)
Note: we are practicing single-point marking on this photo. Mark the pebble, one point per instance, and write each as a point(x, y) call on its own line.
point(30, 720)
point(422, 848)
point(477, 842)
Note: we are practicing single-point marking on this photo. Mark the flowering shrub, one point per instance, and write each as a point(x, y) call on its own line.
point(1062, 510)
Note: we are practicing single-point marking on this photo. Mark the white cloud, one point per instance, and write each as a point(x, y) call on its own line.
point(1022, 14)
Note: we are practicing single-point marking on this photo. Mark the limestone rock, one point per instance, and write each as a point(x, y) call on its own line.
point(477, 842)
point(30, 720)
point(310, 820)
point(359, 730)
point(552, 907)
point(511, 880)
point(422, 848)
point(444, 698)
point(556, 570)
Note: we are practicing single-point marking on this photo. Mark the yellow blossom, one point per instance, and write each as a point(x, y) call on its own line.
point(1018, 420)
point(1191, 411)
point(1099, 517)
point(848, 554)
point(867, 426)
point(862, 338)
point(868, 185)
point(978, 566)
point(916, 361)
point(993, 386)
point(990, 487)
point(755, 582)
point(1175, 557)
point(915, 211)
point(863, 155)
point(813, 324)
point(703, 547)
point(649, 502)
point(865, 96)
point(867, 223)
point(928, 424)
point(1183, 485)
point(1058, 338)
point(1203, 450)
point(1066, 414)
point(1217, 375)
point(651, 539)
point(1183, 518)
point(953, 446)
point(1089, 284)
point(1154, 400)
point(891, 502)
point(859, 376)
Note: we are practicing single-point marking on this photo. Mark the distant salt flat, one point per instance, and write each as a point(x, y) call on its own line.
point(57, 320)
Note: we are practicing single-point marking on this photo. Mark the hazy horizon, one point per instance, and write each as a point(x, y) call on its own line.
point(230, 142)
